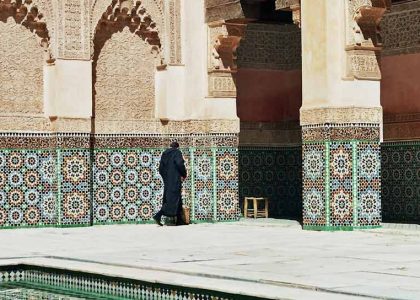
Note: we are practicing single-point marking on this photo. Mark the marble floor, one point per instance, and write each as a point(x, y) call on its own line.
point(268, 258)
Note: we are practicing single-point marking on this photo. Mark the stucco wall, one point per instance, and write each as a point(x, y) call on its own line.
point(21, 70)
point(124, 81)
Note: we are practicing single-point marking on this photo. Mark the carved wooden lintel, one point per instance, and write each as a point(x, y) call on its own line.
point(227, 43)
point(224, 40)
point(364, 41)
point(293, 6)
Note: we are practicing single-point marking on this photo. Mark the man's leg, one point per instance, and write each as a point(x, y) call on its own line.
point(159, 214)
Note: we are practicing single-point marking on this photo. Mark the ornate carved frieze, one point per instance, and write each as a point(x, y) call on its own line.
point(341, 115)
point(172, 127)
point(174, 32)
point(401, 29)
point(363, 64)
point(267, 46)
point(73, 29)
point(28, 15)
point(363, 39)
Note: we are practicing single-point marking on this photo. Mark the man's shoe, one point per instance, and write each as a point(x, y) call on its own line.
point(158, 220)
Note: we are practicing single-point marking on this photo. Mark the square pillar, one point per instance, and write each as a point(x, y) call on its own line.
point(341, 115)
point(341, 175)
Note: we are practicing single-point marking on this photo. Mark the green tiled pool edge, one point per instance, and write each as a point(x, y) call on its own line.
point(98, 286)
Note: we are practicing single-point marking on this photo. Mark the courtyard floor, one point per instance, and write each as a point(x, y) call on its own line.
point(269, 258)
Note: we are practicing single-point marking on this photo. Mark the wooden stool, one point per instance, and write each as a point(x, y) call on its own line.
point(254, 211)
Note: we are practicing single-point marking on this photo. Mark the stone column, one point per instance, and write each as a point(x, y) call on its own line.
point(341, 114)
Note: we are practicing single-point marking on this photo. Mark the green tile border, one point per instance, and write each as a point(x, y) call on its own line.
point(117, 284)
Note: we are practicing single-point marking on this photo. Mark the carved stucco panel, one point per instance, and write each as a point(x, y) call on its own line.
point(73, 29)
point(125, 79)
point(174, 32)
point(340, 115)
point(21, 70)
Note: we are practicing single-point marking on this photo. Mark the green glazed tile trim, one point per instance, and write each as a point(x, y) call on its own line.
point(192, 151)
point(213, 151)
point(355, 182)
point(99, 286)
point(327, 182)
point(59, 180)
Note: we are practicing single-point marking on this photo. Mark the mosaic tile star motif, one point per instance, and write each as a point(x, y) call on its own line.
point(26, 187)
point(74, 185)
point(342, 181)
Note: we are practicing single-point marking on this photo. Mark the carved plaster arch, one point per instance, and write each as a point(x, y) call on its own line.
point(27, 14)
point(154, 7)
point(124, 13)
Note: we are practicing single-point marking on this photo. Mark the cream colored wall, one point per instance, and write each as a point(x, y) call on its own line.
point(182, 93)
point(324, 60)
point(68, 89)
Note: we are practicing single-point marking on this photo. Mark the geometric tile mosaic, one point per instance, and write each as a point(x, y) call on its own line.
point(127, 186)
point(341, 178)
point(226, 180)
point(27, 179)
point(28, 282)
point(275, 173)
point(401, 182)
point(204, 200)
point(314, 185)
point(74, 185)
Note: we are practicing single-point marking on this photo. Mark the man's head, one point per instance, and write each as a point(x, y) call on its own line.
point(174, 144)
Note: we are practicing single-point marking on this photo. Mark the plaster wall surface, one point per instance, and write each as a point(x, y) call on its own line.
point(68, 101)
point(21, 70)
point(124, 82)
point(324, 62)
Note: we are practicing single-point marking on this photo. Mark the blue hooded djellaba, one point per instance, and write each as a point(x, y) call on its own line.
point(172, 169)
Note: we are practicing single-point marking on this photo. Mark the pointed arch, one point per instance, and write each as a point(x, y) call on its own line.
point(126, 50)
point(27, 14)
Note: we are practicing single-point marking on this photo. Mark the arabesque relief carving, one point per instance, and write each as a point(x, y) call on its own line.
point(401, 29)
point(127, 49)
point(364, 42)
point(28, 15)
point(73, 20)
